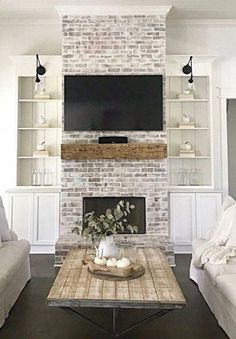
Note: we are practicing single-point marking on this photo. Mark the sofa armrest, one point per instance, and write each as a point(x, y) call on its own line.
point(13, 235)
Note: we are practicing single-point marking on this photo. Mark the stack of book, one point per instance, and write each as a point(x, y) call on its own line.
point(41, 125)
point(42, 96)
point(187, 153)
point(44, 153)
point(186, 125)
point(185, 96)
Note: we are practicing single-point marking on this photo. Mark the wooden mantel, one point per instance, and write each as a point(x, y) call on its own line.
point(131, 151)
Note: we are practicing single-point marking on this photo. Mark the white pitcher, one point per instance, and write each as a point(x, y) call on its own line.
point(108, 248)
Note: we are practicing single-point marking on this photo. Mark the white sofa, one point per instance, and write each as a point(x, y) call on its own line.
point(14, 266)
point(217, 283)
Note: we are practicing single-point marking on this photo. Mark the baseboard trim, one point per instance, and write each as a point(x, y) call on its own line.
point(183, 249)
point(40, 249)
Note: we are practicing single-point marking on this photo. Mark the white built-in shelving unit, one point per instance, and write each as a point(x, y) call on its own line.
point(189, 205)
point(33, 211)
point(29, 110)
point(199, 110)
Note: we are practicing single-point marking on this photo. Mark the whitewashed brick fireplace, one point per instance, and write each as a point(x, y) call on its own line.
point(114, 44)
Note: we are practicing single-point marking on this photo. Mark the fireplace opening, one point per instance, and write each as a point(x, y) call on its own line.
point(100, 204)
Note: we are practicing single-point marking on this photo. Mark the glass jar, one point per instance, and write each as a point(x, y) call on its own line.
point(182, 175)
point(127, 249)
point(193, 177)
point(41, 177)
point(36, 177)
point(48, 177)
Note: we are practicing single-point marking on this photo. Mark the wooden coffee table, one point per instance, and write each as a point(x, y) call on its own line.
point(157, 289)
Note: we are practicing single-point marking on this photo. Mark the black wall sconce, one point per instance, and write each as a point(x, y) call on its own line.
point(188, 69)
point(40, 70)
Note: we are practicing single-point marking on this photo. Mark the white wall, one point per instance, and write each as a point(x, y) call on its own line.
point(231, 127)
point(216, 39)
point(18, 39)
point(202, 38)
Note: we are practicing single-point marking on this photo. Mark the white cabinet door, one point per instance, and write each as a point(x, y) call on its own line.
point(46, 218)
point(21, 214)
point(208, 212)
point(182, 218)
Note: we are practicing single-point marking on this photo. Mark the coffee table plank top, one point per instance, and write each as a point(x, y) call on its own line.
point(157, 288)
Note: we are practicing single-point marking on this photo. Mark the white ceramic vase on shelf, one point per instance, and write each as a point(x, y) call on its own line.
point(108, 248)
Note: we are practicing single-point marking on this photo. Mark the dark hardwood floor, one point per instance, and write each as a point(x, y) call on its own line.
point(31, 318)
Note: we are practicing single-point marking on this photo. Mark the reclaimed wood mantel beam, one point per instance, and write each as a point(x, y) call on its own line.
point(130, 151)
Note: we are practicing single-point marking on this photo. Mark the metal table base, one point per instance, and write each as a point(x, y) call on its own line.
point(114, 331)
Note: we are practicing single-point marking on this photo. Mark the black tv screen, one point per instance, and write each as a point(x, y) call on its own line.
point(113, 103)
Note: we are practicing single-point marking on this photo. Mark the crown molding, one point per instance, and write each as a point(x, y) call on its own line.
point(23, 21)
point(223, 22)
point(113, 10)
point(183, 58)
point(29, 57)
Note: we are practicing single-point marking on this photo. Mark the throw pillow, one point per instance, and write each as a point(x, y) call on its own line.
point(228, 202)
point(4, 228)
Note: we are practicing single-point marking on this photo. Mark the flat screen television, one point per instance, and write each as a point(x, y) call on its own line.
point(113, 103)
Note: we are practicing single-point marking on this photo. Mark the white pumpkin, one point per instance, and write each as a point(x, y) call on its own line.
point(100, 261)
point(42, 119)
point(41, 147)
point(126, 261)
point(187, 146)
point(104, 261)
point(111, 262)
point(122, 263)
point(186, 118)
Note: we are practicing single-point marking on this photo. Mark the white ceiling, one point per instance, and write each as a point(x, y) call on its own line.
point(182, 9)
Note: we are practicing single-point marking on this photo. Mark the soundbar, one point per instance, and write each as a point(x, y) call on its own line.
point(112, 140)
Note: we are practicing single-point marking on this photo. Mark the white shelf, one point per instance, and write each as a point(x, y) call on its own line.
point(188, 129)
point(185, 76)
point(39, 157)
point(35, 189)
point(196, 157)
point(38, 128)
point(197, 188)
point(187, 100)
point(40, 100)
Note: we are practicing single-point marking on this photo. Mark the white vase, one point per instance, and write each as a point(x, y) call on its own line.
point(107, 247)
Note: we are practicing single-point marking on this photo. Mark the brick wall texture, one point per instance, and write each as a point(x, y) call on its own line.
point(115, 45)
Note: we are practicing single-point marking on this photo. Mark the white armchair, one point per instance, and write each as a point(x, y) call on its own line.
point(14, 267)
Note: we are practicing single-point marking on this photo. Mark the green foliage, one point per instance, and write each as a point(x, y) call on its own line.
point(109, 223)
